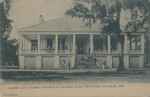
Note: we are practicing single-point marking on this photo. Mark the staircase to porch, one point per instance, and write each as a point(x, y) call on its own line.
point(85, 62)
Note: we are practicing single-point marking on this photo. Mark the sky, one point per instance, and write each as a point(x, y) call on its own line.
point(26, 12)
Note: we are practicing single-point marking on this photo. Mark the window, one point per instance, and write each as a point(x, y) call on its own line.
point(113, 43)
point(135, 42)
point(100, 43)
point(61, 44)
point(34, 45)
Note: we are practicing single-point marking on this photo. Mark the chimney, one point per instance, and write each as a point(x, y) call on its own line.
point(41, 20)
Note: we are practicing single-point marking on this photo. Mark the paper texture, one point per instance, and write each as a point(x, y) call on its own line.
point(43, 24)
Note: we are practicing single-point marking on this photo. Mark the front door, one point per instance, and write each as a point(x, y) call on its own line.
point(80, 46)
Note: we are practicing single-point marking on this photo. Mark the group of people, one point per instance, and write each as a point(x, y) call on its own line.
point(68, 48)
point(92, 60)
point(49, 48)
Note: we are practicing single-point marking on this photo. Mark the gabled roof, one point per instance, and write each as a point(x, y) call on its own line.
point(61, 24)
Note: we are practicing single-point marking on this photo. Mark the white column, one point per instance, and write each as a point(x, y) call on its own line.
point(109, 56)
point(38, 62)
point(91, 43)
point(125, 43)
point(21, 62)
point(39, 43)
point(126, 56)
point(74, 44)
point(74, 50)
point(20, 43)
point(56, 44)
point(142, 43)
point(126, 61)
point(23, 43)
point(109, 45)
point(109, 61)
point(56, 60)
point(141, 57)
point(141, 61)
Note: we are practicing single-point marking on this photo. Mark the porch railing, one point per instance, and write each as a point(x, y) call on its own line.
point(46, 52)
point(100, 51)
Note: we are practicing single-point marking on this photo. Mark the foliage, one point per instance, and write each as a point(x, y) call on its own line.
point(5, 22)
point(107, 14)
point(140, 14)
point(97, 11)
point(5, 29)
point(10, 55)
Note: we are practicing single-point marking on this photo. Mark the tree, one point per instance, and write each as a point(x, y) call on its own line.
point(10, 55)
point(107, 13)
point(5, 24)
point(140, 19)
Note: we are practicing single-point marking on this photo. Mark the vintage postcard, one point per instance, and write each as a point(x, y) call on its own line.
point(74, 48)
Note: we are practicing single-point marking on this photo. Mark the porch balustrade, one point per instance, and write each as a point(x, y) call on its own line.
point(45, 51)
point(65, 52)
point(29, 52)
point(100, 51)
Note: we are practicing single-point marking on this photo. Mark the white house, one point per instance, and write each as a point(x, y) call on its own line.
point(61, 42)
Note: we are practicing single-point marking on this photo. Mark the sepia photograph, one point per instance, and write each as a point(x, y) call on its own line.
point(74, 48)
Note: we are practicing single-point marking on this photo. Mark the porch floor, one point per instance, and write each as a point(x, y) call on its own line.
point(113, 70)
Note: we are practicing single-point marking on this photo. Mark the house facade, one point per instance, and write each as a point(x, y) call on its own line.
point(63, 42)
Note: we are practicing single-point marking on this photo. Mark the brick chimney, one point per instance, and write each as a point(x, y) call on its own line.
point(41, 20)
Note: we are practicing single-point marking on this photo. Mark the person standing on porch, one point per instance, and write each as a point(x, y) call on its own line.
point(70, 48)
point(95, 60)
point(69, 65)
point(49, 48)
point(76, 50)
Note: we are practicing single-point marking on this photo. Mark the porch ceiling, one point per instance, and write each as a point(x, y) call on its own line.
point(30, 36)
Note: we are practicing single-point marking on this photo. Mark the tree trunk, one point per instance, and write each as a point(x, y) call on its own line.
point(120, 40)
point(1, 30)
point(121, 61)
point(1, 36)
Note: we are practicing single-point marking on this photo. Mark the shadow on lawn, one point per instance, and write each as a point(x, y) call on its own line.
point(57, 76)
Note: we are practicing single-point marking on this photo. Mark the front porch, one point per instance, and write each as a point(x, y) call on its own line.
point(63, 51)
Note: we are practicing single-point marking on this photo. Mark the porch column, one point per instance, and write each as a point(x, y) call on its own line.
point(141, 57)
point(74, 44)
point(91, 44)
point(109, 56)
point(21, 62)
point(56, 44)
point(39, 43)
point(38, 62)
point(141, 61)
point(142, 43)
point(74, 50)
point(23, 44)
point(56, 60)
point(126, 56)
point(126, 44)
point(20, 43)
point(108, 43)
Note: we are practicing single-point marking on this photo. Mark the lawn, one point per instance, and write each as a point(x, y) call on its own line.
point(71, 76)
